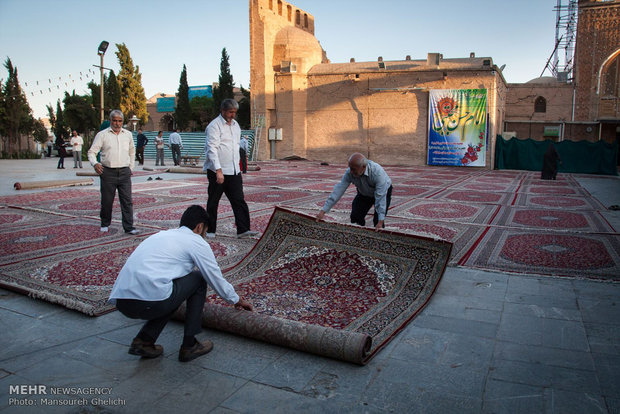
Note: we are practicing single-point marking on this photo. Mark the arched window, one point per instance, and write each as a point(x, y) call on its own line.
point(297, 17)
point(305, 20)
point(289, 12)
point(270, 4)
point(540, 104)
point(280, 7)
point(610, 79)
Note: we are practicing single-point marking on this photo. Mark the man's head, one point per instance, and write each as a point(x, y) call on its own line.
point(357, 164)
point(195, 218)
point(116, 120)
point(160, 133)
point(139, 130)
point(74, 133)
point(229, 109)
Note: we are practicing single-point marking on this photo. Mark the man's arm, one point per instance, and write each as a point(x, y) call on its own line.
point(336, 194)
point(132, 152)
point(93, 151)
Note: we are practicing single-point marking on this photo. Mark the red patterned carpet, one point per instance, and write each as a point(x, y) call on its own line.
point(333, 281)
point(497, 220)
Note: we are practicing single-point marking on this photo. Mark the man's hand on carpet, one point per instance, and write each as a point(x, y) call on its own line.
point(320, 216)
point(244, 305)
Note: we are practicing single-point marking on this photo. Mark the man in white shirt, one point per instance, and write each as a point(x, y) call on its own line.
point(222, 167)
point(76, 143)
point(117, 161)
point(159, 276)
point(176, 145)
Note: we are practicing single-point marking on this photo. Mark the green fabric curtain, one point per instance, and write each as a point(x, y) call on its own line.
point(577, 157)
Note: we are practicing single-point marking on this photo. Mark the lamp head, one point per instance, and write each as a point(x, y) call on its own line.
point(103, 46)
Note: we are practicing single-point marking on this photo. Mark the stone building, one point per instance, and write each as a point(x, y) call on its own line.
point(325, 111)
point(588, 108)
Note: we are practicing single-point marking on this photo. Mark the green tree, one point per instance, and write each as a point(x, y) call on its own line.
point(202, 111)
point(111, 94)
point(244, 113)
point(15, 113)
point(183, 111)
point(79, 113)
point(40, 132)
point(60, 130)
point(224, 89)
point(133, 100)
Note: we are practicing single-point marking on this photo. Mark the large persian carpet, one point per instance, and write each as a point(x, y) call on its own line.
point(331, 289)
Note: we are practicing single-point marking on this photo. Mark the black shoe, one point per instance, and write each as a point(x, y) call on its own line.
point(159, 178)
point(199, 348)
point(145, 349)
point(149, 179)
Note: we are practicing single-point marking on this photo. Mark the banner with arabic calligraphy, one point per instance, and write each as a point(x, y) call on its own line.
point(457, 132)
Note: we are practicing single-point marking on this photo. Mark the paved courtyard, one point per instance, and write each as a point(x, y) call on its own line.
point(488, 342)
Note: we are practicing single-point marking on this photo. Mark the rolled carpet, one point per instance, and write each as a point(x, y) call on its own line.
point(52, 184)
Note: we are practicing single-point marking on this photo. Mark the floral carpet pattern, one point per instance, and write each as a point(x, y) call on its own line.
point(337, 276)
point(508, 221)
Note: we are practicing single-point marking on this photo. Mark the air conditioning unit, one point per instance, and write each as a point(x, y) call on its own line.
point(287, 67)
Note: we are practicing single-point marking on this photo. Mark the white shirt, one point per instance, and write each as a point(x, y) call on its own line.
point(222, 146)
point(175, 138)
point(117, 150)
point(243, 144)
point(163, 257)
point(77, 140)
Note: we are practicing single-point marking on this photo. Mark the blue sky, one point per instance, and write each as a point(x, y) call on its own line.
point(56, 40)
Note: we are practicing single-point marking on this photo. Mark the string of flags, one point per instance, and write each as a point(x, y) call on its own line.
point(53, 84)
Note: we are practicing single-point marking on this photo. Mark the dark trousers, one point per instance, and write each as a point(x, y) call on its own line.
point(233, 188)
point(140, 155)
point(361, 205)
point(49, 152)
point(176, 153)
point(191, 288)
point(61, 161)
point(114, 179)
point(243, 160)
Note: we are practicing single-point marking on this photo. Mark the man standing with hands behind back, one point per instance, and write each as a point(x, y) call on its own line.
point(222, 167)
point(117, 161)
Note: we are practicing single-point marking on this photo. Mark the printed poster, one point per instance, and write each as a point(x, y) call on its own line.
point(457, 133)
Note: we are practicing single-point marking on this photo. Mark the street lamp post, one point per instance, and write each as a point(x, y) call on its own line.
point(103, 46)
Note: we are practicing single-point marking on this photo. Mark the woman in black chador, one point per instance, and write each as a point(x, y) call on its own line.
point(550, 163)
point(62, 153)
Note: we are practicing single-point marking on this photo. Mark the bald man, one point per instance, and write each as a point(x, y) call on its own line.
point(374, 187)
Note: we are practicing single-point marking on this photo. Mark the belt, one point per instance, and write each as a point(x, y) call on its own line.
point(110, 168)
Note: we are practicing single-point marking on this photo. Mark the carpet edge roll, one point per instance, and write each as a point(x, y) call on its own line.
point(319, 340)
point(52, 184)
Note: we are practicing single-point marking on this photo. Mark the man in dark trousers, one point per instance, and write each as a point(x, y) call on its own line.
point(159, 276)
point(374, 187)
point(222, 167)
point(141, 142)
point(117, 150)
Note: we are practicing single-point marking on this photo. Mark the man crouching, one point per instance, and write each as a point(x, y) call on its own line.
point(158, 277)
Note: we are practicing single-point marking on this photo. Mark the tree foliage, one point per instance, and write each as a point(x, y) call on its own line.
point(224, 89)
point(183, 112)
point(79, 113)
point(40, 132)
point(111, 94)
point(244, 113)
point(60, 129)
point(15, 113)
point(202, 111)
point(132, 99)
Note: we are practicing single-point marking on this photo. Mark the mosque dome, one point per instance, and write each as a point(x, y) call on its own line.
point(546, 80)
point(298, 47)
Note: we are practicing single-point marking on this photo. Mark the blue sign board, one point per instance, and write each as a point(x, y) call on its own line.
point(203, 90)
point(165, 104)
